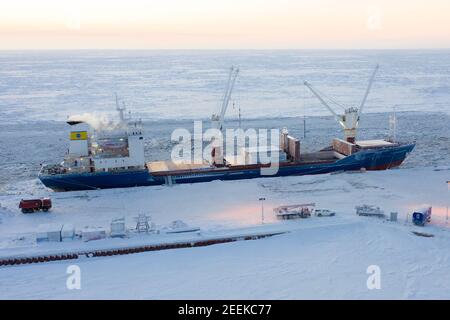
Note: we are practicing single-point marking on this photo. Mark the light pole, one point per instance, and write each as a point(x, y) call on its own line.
point(448, 191)
point(262, 209)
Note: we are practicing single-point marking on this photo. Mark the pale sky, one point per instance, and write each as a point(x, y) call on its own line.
point(224, 24)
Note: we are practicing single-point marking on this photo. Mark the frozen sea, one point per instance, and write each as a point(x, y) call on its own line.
point(169, 89)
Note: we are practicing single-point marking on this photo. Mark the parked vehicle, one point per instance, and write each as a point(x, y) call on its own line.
point(422, 216)
point(324, 213)
point(369, 211)
point(295, 211)
point(32, 205)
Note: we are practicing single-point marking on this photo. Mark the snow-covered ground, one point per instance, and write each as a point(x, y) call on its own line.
point(318, 258)
point(323, 262)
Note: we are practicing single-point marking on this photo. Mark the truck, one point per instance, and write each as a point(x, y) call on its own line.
point(294, 211)
point(369, 211)
point(324, 213)
point(32, 205)
point(422, 216)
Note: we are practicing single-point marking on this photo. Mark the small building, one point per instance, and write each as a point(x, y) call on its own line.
point(93, 233)
point(118, 227)
point(67, 232)
point(49, 232)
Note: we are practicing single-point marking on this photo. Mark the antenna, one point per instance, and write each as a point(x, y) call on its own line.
point(304, 112)
point(238, 102)
point(240, 118)
point(393, 126)
point(304, 126)
point(239, 112)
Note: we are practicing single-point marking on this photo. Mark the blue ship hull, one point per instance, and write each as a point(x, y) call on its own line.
point(370, 159)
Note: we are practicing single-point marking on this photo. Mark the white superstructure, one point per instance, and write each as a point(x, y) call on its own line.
point(118, 148)
point(79, 140)
point(120, 152)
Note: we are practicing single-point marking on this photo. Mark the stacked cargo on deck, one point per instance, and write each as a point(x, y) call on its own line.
point(348, 148)
point(290, 145)
point(344, 147)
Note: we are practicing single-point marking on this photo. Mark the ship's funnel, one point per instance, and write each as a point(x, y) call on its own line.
point(72, 123)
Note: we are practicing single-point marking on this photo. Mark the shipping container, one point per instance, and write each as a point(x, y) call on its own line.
point(422, 216)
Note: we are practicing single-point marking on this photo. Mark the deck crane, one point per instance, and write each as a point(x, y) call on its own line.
point(350, 119)
point(217, 119)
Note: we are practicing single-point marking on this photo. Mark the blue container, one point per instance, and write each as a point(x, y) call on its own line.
point(422, 216)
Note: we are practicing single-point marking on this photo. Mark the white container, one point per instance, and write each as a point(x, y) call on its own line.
point(41, 234)
point(89, 234)
point(49, 232)
point(54, 234)
point(118, 228)
point(67, 232)
point(394, 216)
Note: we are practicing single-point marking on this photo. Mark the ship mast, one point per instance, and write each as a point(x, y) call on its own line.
point(393, 126)
point(120, 109)
point(350, 119)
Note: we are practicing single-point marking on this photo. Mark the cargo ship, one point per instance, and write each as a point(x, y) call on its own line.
point(115, 158)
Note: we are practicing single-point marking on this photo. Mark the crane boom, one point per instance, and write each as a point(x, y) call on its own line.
point(218, 118)
point(231, 81)
point(337, 117)
point(350, 119)
point(369, 86)
point(217, 157)
point(227, 88)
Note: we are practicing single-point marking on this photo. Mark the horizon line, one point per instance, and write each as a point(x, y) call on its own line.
point(226, 49)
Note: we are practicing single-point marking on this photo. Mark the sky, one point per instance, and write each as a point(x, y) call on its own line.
point(224, 24)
